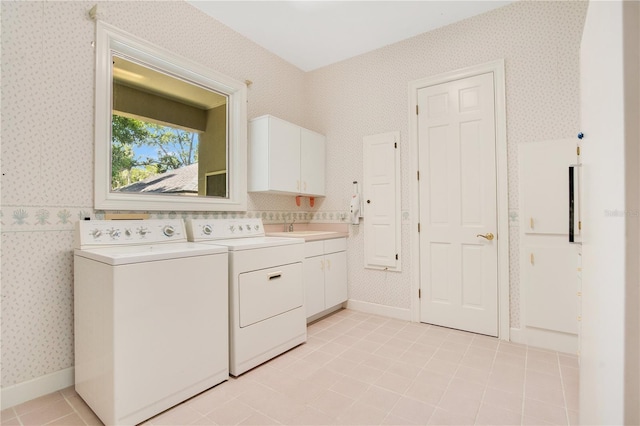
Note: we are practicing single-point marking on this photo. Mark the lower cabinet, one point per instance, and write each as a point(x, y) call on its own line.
point(325, 274)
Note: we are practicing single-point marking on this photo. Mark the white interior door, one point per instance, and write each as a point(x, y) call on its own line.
point(381, 201)
point(458, 195)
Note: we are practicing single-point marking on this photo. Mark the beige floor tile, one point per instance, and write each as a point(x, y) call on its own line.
point(38, 403)
point(365, 373)
point(501, 399)
point(448, 355)
point(72, 419)
point(312, 416)
point(393, 382)
point(544, 366)
point(417, 412)
point(548, 395)
point(403, 369)
point(7, 414)
point(535, 409)
point(350, 387)
point(543, 380)
point(425, 392)
point(444, 417)
point(469, 389)
point(542, 355)
point(14, 421)
point(378, 362)
point(202, 421)
point(379, 398)
point(460, 404)
point(491, 415)
point(332, 403)
point(358, 368)
point(181, 414)
point(472, 374)
point(361, 414)
point(325, 377)
point(257, 419)
point(47, 413)
point(442, 366)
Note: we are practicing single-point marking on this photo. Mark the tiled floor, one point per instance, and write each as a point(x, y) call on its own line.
point(364, 369)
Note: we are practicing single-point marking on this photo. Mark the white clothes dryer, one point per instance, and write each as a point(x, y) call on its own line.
point(151, 317)
point(266, 294)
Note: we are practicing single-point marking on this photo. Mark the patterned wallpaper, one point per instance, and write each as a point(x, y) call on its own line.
point(47, 135)
point(47, 151)
point(539, 42)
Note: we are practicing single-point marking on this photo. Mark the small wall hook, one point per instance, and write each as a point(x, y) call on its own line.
point(580, 135)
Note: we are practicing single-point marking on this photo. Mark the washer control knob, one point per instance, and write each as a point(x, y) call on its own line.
point(142, 231)
point(127, 232)
point(168, 231)
point(96, 233)
point(232, 228)
point(114, 233)
point(207, 229)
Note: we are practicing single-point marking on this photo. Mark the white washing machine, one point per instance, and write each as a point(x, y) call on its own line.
point(151, 317)
point(266, 294)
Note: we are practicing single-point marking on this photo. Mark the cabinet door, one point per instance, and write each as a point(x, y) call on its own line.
point(313, 278)
point(551, 281)
point(544, 182)
point(335, 278)
point(312, 162)
point(284, 156)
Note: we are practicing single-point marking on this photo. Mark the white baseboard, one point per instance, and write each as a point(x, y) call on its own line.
point(383, 310)
point(34, 388)
point(545, 339)
point(517, 336)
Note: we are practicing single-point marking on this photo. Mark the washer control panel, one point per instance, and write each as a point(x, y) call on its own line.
point(124, 232)
point(222, 229)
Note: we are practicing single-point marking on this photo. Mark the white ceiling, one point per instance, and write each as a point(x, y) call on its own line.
point(313, 34)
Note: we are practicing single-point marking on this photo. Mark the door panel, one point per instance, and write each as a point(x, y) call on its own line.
point(456, 145)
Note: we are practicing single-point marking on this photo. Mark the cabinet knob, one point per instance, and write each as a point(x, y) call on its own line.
point(368, 201)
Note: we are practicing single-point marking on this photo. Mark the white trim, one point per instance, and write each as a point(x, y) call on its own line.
point(324, 313)
point(546, 339)
point(382, 310)
point(517, 336)
point(34, 388)
point(497, 68)
point(110, 38)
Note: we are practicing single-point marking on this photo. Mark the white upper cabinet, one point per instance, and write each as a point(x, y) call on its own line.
point(544, 180)
point(285, 158)
point(312, 162)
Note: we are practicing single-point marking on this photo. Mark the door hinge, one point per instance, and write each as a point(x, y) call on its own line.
point(418, 226)
point(416, 109)
point(419, 294)
point(396, 256)
point(578, 150)
point(395, 145)
point(580, 225)
point(418, 173)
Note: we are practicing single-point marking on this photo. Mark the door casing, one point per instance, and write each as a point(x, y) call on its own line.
point(497, 68)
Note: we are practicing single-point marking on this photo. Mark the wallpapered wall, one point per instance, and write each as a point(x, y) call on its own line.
point(47, 150)
point(47, 135)
point(539, 42)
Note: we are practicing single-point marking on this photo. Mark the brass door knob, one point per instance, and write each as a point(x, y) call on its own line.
point(488, 236)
